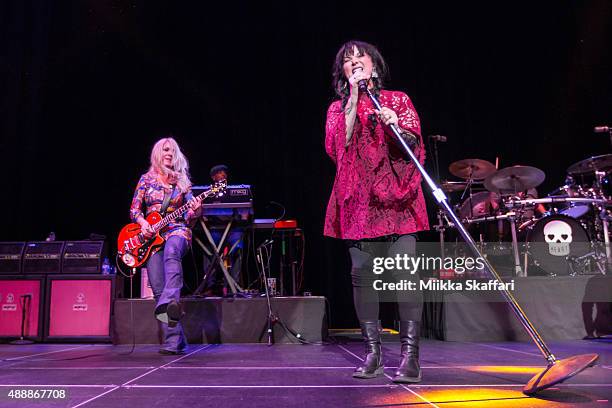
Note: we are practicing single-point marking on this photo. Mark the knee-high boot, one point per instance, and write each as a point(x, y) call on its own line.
point(409, 370)
point(373, 365)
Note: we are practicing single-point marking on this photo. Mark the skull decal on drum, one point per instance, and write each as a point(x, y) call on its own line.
point(558, 235)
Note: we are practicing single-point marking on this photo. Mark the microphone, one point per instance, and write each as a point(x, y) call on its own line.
point(363, 83)
point(602, 129)
point(438, 138)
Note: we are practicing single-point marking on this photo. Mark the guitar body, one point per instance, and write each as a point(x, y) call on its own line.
point(133, 248)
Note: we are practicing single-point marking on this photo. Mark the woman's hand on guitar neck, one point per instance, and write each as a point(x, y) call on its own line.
point(194, 204)
point(146, 228)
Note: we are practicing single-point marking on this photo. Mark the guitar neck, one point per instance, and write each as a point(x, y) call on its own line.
point(178, 212)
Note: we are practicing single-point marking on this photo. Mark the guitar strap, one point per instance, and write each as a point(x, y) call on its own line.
point(166, 202)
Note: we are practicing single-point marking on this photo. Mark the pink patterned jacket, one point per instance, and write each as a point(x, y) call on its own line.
point(376, 191)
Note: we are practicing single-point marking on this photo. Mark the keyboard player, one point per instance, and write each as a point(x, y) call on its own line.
point(216, 220)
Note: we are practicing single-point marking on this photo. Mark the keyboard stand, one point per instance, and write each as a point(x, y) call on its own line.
point(218, 259)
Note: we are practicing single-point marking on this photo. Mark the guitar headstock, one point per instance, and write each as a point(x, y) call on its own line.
point(218, 189)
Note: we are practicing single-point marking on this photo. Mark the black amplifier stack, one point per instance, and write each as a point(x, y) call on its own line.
point(59, 288)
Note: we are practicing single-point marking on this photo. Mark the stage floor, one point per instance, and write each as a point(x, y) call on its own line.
point(455, 374)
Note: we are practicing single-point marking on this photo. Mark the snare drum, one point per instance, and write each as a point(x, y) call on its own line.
point(575, 210)
point(554, 240)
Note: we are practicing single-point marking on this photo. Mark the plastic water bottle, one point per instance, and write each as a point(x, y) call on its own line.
point(106, 267)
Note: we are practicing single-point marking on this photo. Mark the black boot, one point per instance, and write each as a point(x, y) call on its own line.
point(409, 370)
point(170, 313)
point(175, 313)
point(372, 366)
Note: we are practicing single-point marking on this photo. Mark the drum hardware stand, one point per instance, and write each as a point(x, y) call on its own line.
point(440, 227)
point(579, 265)
point(436, 157)
point(603, 219)
point(468, 187)
point(599, 176)
point(603, 214)
point(286, 237)
point(515, 250)
point(557, 370)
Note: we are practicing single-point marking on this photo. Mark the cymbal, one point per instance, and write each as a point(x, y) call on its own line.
point(471, 168)
point(592, 164)
point(514, 179)
point(452, 186)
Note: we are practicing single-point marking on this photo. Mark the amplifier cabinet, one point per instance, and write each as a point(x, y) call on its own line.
point(83, 257)
point(13, 288)
point(43, 257)
point(11, 256)
point(79, 307)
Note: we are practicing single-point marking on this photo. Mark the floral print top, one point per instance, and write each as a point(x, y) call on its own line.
point(150, 193)
point(376, 191)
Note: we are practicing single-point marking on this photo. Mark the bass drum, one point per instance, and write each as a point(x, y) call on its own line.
point(554, 241)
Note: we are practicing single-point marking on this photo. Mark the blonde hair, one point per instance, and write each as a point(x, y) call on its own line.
point(179, 173)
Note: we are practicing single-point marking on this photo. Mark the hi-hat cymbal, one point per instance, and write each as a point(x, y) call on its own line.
point(514, 179)
point(472, 168)
point(592, 164)
point(452, 186)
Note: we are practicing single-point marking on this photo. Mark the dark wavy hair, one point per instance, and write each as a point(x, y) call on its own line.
point(340, 83)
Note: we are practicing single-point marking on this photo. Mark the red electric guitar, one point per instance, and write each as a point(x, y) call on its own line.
point(134, 249)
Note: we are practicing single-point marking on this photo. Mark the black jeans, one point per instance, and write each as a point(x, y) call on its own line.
point(366, 298)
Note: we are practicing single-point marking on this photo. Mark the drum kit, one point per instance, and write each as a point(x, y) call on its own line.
point(564, 233)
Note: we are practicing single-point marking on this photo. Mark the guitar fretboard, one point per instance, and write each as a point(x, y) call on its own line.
point(183, 209)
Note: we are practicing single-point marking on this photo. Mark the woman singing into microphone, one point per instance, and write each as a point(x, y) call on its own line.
point(376, 197)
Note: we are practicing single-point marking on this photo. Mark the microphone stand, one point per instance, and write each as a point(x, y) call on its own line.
point(272, 318)
point(440, 227)
point(25, 313)
point(436, 158)
point(557, 370)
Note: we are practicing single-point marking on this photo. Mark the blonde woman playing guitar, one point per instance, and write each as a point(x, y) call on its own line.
point(167, 182)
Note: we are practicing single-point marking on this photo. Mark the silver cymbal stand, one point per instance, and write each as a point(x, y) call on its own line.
point(603, 216)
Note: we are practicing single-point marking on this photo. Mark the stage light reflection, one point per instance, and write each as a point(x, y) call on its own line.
point(482, 397)
point(461, 397)
point(505, 369)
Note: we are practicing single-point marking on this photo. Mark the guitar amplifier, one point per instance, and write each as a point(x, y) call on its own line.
point(79, 307)
point(13, 290)
point(43, 257)
point(11, 255)
point(83, 257)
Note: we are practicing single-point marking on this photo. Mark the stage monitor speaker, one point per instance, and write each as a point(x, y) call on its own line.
point(13, 292)
point(43, 257)
point(11, 255)
point(79, 307)
point(83, 257)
